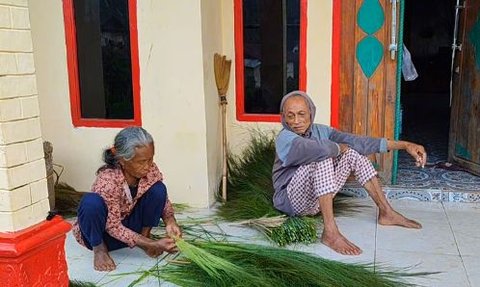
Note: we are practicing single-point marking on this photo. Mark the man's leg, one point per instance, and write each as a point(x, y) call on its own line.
point(92, 217)
point(331, 236)
point(311, 190)
point(386, 214)
point(367, 176)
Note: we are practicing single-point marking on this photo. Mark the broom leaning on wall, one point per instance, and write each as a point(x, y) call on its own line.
point(222, 77)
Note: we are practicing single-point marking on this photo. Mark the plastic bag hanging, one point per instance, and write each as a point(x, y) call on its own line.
point(408, 69)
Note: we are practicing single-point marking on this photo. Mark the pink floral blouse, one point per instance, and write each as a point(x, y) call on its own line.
point(110, 184)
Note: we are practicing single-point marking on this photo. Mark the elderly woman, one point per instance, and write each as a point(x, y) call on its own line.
point(128, 199)
point(313, 161)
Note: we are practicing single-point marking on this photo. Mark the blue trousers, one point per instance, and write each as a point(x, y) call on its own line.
point(93, 212)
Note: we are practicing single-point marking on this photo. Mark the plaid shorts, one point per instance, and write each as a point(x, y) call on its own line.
point(316, 179)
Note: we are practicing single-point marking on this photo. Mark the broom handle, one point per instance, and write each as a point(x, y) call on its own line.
point(224, 139)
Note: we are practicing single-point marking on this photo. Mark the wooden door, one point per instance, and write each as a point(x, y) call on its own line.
point(464, 142)
point(367, 74)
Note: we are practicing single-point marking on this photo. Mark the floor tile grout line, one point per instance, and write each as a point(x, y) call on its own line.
point(418, 252)
point(101, 278)
point(113, 276)
point(456, 244)
point(121, 259)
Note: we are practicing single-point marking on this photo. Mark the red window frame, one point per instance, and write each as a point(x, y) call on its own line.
point(239, 75)
point(72, 63)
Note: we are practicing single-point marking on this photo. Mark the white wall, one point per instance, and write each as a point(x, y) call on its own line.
point(179, 101)
point(77, 149)
point(212, 43)
point(173, 98)
point(173, 102)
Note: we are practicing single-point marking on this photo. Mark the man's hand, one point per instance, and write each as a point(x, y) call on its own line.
point(343, 147)
point(418, 153)
point(415, 150)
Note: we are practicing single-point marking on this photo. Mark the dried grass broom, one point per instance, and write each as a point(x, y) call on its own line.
point(222, 78)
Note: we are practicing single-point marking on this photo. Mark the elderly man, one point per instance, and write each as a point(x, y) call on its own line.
point(313, 161)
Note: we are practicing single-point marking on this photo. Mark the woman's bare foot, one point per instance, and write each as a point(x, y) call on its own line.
point(339, 243)
point(151, 251)
point(146, 231)
point(101, 259)
point(394, 218)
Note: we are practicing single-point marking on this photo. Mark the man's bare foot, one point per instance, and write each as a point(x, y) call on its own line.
point(339, 243)
point(395, 218)
point(101, 259)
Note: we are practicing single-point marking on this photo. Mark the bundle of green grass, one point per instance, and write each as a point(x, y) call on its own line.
point(212, 263)
point(250, 196)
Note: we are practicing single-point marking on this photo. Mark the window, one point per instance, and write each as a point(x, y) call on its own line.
point(270, 41)
point(102, 56)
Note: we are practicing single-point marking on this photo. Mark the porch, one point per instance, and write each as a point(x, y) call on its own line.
point(446, 243)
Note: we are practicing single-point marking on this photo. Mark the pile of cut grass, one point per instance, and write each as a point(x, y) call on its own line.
point(250, 195)
point(67, 199)
point(211, 263)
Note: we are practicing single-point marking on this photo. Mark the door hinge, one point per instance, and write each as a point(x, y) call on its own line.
point(457, 47)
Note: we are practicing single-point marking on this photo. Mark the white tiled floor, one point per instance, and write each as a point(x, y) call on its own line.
point(449, 243)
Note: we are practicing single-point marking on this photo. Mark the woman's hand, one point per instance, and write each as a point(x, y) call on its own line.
point(418, 153)
point(166, 244)
point(155, 248)
point(173, 230)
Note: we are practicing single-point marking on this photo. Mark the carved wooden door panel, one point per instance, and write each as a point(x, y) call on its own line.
point(367, 74)
point(464, 142)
